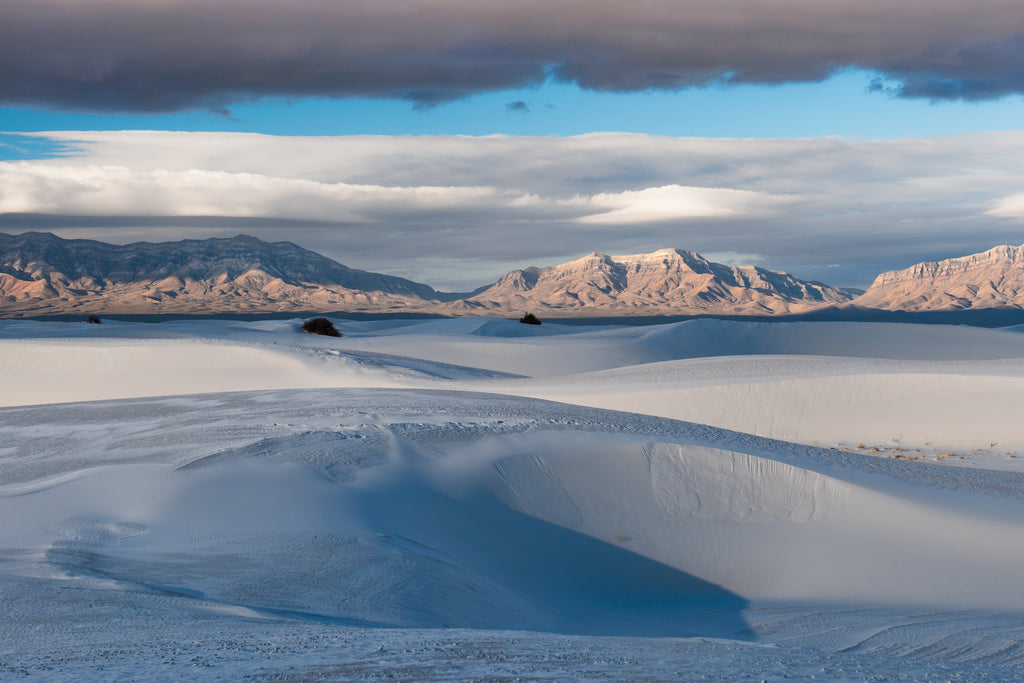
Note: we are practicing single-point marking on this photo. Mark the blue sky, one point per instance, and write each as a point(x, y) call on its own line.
point(841, 105)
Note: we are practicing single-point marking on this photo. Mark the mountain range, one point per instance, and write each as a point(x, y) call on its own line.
point(991, 279)
point(650, 284)
point(42, 274)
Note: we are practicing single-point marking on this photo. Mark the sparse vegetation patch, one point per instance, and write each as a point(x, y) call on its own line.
point(320, 326)
point(530, 319)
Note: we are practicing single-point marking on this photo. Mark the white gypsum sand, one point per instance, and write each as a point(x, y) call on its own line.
point(265, 503)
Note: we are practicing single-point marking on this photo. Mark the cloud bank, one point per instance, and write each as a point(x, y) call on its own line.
point(148, 56)
point(456, 211)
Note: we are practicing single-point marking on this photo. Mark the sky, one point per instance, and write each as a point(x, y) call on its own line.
point(450, 141)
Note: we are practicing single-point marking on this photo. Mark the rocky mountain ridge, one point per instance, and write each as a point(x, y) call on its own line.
point(42, 274)
point(682, 281)
point(990, 279)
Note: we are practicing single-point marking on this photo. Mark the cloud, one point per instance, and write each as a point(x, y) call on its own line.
point(518, 106)
point(451, 208)
point(1008, 207)
point(91, 190)
point(733, 258)
point(177, 54)
point(676, 203)
point(27, 187)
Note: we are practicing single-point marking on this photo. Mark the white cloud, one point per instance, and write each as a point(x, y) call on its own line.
point(1008, 207)
point(32, 187)
point(377, 201)
point(676, 202)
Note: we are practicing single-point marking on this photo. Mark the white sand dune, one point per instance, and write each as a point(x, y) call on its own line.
point(45, 371)
point(256, 483)
point(481, 523)
point(544, 351)
point(915, 391)
point(557, 349)
point(901, 408)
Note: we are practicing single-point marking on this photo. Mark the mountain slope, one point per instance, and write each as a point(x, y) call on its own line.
point(41, 273)
point(669, 281)
point(991, 279)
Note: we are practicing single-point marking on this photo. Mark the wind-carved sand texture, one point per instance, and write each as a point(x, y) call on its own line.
point(710, 483)
point(536, 491)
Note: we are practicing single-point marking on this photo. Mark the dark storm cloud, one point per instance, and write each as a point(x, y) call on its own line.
point(163, 55)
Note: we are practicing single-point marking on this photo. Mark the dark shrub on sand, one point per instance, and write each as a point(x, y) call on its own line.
point(530, 319)
point(320, 326)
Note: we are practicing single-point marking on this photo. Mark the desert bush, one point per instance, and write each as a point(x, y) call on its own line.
point(530, 319)
point(94, 320)
point(320, 326)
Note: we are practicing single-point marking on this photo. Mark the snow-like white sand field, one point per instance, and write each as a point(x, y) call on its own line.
point(481, 499)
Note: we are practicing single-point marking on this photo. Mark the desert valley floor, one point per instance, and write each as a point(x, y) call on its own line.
point(479, 499)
